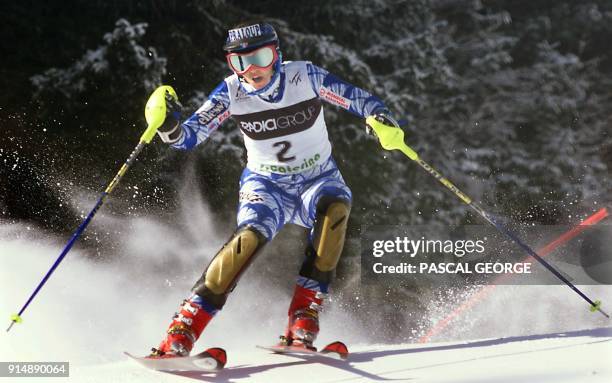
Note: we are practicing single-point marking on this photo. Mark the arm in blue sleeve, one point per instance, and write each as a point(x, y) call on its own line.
point(338, 92)
point(197, 128)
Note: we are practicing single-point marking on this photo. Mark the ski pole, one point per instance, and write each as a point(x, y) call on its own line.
point(155, 113)
point(392, 138)
point(483, 292)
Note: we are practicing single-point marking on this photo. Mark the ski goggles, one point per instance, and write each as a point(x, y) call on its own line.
point(263, 57)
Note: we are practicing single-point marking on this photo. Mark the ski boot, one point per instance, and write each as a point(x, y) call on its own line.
point(184, 330)
point(303, 326)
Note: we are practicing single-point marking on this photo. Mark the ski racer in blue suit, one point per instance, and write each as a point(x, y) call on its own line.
point(290, 177)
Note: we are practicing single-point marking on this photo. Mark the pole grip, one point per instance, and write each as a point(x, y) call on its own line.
point(391, 137)
point(155, 111)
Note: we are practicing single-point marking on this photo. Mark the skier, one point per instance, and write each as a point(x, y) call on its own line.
point(290, 177)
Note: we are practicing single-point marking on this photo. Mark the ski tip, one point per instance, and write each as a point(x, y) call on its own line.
point(337, 348)
point(218, 355)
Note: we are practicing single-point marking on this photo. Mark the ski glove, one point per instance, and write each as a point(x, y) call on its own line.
point(170, 131)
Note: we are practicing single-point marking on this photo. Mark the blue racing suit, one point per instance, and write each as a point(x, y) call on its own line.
point(272, 193)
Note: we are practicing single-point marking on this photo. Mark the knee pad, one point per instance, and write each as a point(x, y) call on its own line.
point(225, 269)
point(328, 240)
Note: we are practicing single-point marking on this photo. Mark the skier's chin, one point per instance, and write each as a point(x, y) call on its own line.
point(259, 81)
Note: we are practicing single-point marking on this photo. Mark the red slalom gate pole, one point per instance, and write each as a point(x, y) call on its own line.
point(486, 290)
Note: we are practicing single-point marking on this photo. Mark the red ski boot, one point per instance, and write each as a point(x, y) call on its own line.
point(184, 330)
point(303, 326)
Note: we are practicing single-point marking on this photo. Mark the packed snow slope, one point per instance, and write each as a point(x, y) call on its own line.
point(579, 356)
point(91, 311)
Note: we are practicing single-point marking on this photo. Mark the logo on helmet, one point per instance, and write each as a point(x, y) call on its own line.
point(244, 32)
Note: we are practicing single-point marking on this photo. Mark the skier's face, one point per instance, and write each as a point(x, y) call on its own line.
point(258, 77)
point(256, 66)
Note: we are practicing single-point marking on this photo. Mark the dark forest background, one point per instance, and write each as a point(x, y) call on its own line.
point(511, 99)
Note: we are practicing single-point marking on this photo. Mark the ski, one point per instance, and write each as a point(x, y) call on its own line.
point(213, 359)
point(333, 350)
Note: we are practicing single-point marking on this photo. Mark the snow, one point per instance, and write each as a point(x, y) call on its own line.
point(90, 312)
point(579, 356)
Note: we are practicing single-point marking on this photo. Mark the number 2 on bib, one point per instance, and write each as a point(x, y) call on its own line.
point(282, 153)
